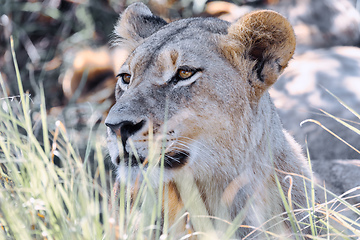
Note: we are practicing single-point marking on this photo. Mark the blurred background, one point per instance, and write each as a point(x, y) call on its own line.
point(63, 47)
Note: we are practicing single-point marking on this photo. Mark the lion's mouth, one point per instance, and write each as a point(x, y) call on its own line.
point(175, 159)
point(172, 160)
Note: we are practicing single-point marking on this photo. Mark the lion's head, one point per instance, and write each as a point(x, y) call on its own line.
point(198, 86)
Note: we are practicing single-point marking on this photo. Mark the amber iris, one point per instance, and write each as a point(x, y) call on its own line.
point(184, 74)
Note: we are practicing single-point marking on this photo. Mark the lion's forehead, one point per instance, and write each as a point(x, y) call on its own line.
point(188, 28)
point(176, 36)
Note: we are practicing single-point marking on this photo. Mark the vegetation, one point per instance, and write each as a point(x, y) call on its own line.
point(51, 189)
point(73, 199)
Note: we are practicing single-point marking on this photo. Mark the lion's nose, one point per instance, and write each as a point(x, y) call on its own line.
point(125, 129)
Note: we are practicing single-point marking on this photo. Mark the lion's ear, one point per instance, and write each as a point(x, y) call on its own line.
point(266, 39)
point(135, 24)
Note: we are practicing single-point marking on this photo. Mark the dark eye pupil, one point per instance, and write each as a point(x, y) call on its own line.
point(126, 78)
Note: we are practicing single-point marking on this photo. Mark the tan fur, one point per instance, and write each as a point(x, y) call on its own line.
point(224, 142)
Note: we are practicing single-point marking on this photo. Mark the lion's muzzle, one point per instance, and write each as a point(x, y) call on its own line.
point(174, 158)
point(124, 130)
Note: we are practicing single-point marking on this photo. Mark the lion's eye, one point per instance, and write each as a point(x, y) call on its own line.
point(185, 74)
point(125, 77)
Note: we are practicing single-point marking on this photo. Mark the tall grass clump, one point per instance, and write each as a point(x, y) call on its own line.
point(341, 213)
point(39, 199)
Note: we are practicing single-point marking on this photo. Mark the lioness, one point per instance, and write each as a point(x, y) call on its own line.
point(200, 84)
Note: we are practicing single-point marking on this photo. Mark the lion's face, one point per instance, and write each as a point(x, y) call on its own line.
point(184, 90)
point(169, 90)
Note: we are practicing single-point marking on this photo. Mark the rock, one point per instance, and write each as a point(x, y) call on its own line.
point(340, 176)
point(300, 93)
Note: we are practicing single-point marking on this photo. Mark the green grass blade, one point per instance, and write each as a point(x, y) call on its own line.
point(343, 103)
point(328, 130)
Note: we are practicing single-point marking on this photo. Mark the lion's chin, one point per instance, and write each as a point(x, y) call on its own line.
point(133, 176)
point(131, 170)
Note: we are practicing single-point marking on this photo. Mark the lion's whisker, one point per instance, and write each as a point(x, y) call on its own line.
point(205, 148)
